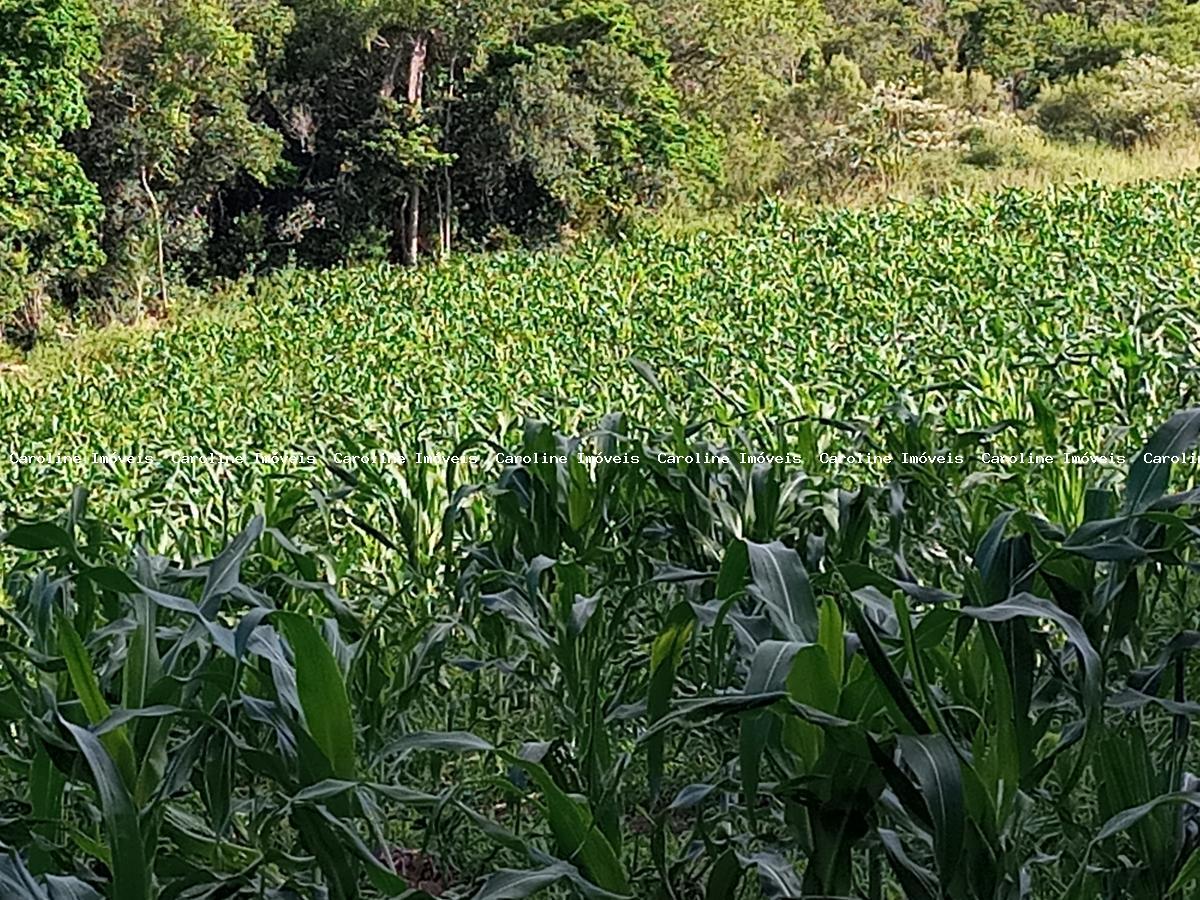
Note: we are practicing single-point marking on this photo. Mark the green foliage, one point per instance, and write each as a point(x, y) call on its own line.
point(48, 208)
point(889, 40)
point(1142, 100)
point(230, 137)
point(557, 668)
point(173, 123)
point(996, 36)
point(580, 111)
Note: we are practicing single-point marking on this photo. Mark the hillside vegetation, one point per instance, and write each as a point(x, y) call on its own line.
point(147, 147)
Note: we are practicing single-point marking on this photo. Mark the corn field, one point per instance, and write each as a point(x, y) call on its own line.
point(852, 555)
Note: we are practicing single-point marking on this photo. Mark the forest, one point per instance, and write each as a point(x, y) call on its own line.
point(147, 147)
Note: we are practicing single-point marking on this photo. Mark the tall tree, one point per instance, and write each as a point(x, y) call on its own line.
point(49, 211)
point(173, 122)
point(577, 119)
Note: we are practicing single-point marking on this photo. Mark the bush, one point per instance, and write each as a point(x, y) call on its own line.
point(995, 147)
point(1137, 101)
point(840, 130)
point(48, 209)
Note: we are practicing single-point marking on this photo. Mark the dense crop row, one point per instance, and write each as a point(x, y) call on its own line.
point(1081, 305)
point(700, 675)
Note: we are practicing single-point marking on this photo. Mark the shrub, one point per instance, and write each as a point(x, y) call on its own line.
point(1141, 100)
point(840, 130)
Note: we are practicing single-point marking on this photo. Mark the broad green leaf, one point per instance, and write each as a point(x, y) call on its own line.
point(39, 536)
point(95, 707)
point(1188, 872)
point(224, 572)
point(131, 876)
point(64, 887)
point(938, 772)
point(776, 877)
point(575, 832)
point(917, 881)
point(444, 741)
point(886, 672)
point(665, 656)
point(780, 580)
point(832, 638)
point(322, 694)
point(1130, 817)
point(811, 683)
point(46, 785)
point(724, 878)
point(514, 884)
point(768, 675)
point(142, 666)
point(1027, 605)
point(1150, 470)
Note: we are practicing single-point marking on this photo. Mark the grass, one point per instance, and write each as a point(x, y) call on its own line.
point(1029, 160)
point(925, 676)
point(997, 156)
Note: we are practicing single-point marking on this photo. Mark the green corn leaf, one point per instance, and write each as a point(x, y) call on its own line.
point(142, 666)
point(322, 694)
point(16, 881)
point(576, 834)
point(1027, 605)
point(735, 566)
point(1188, 872)
point(810, 683)
point(777, 878)
point(1149, 474)
point(95, 707)
point(39, 536)
point(514, 884)
point(832, 638)
point(781, 582)
point(46, 784)
point(938, 772)
point(1129, 817)
point(768, 674)
point(130, 872)
point(665, 657)
point(443, 741)
point(918, 882)
point(724, 878)
point(64, 887)
point(324, 842)
point(886, 672)
point(224, 572)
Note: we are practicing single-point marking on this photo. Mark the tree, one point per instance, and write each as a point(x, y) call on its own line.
point(174, 123)
point(890, 40)
point(356, 96)
point(577, 120)
point(48, 209)
point(998, 38)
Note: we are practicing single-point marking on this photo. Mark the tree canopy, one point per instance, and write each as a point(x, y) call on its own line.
point(147, 144)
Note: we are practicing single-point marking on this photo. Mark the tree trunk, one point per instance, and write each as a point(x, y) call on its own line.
point(416, 69)
point(412, 224)
point(158, 236)
point(412, 212)
point(446, 193)
point(447, 213)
